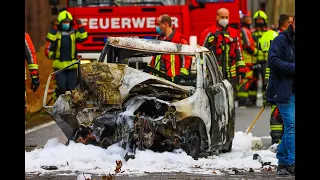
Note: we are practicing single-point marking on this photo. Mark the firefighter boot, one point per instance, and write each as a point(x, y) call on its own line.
point(276, 124)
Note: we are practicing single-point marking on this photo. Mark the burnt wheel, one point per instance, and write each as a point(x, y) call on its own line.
point(228, 149)
point(194, 145)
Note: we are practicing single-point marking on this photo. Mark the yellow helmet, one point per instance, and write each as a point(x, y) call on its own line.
point(262, 15)
point(64, 16)
point(265, 40)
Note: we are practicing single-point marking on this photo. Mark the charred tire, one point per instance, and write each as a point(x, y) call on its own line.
point(194, 145)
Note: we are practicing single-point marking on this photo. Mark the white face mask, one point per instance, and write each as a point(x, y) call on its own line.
point(223, 22)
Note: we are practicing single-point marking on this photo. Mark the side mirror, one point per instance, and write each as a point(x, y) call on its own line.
point(54, 2)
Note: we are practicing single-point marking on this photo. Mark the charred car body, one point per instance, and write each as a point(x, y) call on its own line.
point(116, 103)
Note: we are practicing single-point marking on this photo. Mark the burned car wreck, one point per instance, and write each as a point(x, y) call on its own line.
point(116, 103)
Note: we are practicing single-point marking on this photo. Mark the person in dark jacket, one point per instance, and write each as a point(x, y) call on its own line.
point(62, 50)
point(281, 89)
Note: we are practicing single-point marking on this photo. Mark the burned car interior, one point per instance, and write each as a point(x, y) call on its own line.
point(139, 108)
point(127, 56)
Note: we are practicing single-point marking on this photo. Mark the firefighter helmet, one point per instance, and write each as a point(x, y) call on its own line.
point(261, 14)
point(64, 16)
point(265, 40)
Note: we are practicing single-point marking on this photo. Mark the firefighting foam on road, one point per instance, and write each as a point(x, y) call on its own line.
point(92, 159)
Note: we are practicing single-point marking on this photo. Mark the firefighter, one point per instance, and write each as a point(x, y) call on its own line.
point(249, 50)
point(259, 69)
point(61, 48)
point(31, 59)
point(171, 65)
point(224, 41)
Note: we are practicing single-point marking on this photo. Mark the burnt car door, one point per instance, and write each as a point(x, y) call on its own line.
point(221, 99)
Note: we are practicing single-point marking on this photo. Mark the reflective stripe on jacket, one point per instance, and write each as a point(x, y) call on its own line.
point(30, 56)
point(282, 68)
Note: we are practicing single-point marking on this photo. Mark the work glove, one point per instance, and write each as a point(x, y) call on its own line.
point(35, 83)
point(242, 75)
point(265, 102)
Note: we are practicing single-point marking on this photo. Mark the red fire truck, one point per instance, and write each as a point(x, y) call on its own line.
point(137, 18)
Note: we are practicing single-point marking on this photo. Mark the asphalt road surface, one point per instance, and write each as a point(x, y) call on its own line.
point(36, 138)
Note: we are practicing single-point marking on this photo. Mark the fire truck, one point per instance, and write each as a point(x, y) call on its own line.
point(103, 18)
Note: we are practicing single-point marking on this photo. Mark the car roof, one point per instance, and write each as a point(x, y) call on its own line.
point(154, 46)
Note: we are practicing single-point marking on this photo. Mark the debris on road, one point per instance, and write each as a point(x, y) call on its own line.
point(49, 167)
point(118, 166)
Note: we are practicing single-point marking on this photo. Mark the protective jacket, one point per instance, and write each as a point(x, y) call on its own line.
point(61, 45)
point(30, 56)
point(225, 44)
point(248, 45)
point(282, 68)
point(172, 65)
point(31, 59)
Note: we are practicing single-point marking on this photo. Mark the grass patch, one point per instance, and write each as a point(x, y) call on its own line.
point(34, 115)
point(36, 119)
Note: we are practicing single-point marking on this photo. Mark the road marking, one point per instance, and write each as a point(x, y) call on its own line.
point(39, 127)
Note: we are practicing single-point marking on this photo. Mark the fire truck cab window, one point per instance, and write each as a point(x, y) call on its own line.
point(101, 3)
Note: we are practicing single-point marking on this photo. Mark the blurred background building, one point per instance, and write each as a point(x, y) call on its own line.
point(273, 8)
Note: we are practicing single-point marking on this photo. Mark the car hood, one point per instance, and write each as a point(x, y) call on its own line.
point(112, 83)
